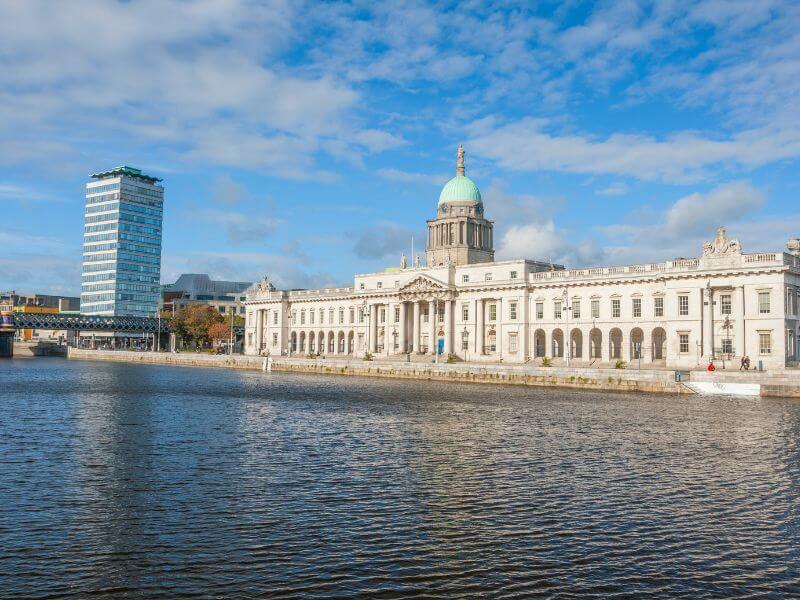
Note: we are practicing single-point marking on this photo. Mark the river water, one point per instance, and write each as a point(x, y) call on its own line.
point(125, 480)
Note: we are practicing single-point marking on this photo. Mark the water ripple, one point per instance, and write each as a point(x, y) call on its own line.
point(129, 481)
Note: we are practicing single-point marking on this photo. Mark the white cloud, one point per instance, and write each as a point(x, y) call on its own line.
point(393, 174)
point(680, 157)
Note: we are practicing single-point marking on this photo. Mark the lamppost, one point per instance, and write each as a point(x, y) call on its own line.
point(567, 335)
point(464, 336)
point(365, 312)
point(158, 332)
point(230, 345)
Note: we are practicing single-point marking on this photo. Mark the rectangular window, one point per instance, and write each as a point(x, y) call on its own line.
point(382, 316)
point(683, 306)
point(763, 303)
point(275, 318)
point(658, 305)
point(311, 314)
point(274, 339)
point(361, 285)
point(465, 312)
point(352, 315)
point(321, 316)
point(330, 316)
point(396, 314)
point(512, 342)
point(362, 315)
point(765, 343)
point(380, 284)
point(302, 317)
point(557, 309)
point(683, 343)
point(488, 277)
point(465, 278)
point(341, 316)
point(465, 340)
point(540, 310)
point(727, 346)
point(512, 311)
point(440, 313)
point(493, 312)
point(576, 309)
point(513, 274)
point(294, 317)
point(595, 309)
point(725, 304)
point(637, 307)
point(615, 310)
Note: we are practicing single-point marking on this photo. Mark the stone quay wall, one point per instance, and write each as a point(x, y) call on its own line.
point(618, 380)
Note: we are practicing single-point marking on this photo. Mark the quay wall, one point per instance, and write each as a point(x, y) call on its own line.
point(627, 380)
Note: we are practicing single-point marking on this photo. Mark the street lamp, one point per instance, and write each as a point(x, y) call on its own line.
point(465, 336)
point(567, 335)
point(366, 314)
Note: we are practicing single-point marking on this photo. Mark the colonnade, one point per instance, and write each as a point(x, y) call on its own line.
point(415, 324)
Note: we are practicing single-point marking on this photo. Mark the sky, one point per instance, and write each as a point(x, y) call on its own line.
point(309, 141)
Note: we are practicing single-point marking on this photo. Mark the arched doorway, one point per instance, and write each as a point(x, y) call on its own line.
point(558, 343)
point(637, 344)
point(341, 343)
point(293, 342)
point(659, 343)
point(539, 344)
point(576, 343)
point(615, 344)
point(312, 339)
point(321, 344)
point(491, 342)
point(302, 341)
point(351, 342)
point(331, 343)
point(595, 343)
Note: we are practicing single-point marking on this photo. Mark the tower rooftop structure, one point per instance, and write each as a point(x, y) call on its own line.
point(460, 188)
point(125, 170)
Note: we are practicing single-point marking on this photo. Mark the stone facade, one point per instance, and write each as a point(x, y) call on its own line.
point(675, 314)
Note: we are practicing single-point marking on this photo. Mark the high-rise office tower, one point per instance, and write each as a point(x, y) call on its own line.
point(122, 244)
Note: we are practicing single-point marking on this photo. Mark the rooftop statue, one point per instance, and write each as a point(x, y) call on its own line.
point(721, 245)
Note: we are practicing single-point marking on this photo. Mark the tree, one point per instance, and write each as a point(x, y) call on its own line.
point(194, 320)
point(219, 332)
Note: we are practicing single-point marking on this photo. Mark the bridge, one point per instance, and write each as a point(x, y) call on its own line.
point(118, 324)
point(97, 323)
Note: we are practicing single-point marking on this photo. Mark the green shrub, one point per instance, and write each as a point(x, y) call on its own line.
point(547, 362)
point(451, 358)
point(367, 356)
point(620, 364)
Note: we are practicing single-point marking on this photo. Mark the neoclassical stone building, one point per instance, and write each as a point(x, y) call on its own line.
point(678, 313)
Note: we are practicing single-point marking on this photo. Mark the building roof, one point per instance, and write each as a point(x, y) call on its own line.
point(460, 188)
point(201, 282)
point(125, 170)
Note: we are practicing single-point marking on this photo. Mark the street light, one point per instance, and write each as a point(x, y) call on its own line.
point(465, 336)
point(366, 314)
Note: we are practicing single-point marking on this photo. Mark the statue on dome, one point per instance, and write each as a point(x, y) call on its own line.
point(460, 162)
point(416, 261)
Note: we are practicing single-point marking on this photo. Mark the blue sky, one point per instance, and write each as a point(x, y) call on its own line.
point(309, 141)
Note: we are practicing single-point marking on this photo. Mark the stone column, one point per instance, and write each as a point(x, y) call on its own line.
point(499, 328)
point(259, 330)
point(524, 342)
point(415, 328)
point(432, 326)
point(741, 346)
point(708, 323)
point(479, 328)
point(373, 328)
point(403, 332)
point(389, 329)
point(448, 327)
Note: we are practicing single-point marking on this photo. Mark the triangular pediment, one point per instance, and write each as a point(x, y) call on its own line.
point(423, 283)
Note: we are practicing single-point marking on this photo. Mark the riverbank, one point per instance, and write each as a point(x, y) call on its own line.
point(619, 380)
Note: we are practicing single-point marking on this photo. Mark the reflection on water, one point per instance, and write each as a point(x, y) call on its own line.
point(129, 481)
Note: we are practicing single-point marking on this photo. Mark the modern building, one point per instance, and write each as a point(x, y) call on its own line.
point(41, 304)
point(678, 313)
point(122, 243)
point(199, 288)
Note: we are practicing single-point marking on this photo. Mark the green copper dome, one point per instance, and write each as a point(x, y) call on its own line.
point(460, 189)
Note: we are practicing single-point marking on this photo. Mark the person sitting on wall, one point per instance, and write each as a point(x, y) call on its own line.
point(746, 363)
point(742, 363)
point(711, 366)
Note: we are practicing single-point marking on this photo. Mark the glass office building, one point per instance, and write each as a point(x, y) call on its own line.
point(122, 244)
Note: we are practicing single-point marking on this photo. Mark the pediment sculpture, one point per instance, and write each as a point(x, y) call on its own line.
point(722, 245)
point(794, 246)
point(422, 284)
point(264, 287)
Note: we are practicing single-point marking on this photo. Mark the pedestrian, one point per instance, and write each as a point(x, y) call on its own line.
point(711, 366)
point(742, 362)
